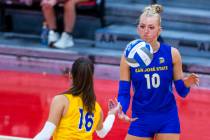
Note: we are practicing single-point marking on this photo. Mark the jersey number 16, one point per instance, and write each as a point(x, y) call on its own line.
point(88, 122)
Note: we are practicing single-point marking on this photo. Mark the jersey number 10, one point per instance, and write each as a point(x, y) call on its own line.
point(153, 79)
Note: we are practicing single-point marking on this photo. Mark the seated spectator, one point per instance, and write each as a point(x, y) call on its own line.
point(66, 39)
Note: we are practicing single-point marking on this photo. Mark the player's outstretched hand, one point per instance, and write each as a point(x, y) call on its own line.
point(192, 79)
point(124, 117)
point(113, 106)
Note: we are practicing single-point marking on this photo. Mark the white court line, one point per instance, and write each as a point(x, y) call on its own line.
point(2, 137)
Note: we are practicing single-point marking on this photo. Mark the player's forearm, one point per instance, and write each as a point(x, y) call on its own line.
point(107, 126)
point(46, 132)
point(124, 95)
point(181, 88)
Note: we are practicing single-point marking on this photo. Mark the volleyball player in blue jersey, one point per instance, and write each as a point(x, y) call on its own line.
point(153, 101)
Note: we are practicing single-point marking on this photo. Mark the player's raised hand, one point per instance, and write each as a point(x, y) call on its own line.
point(113, 106)
point(124, 117)
point(192, 79)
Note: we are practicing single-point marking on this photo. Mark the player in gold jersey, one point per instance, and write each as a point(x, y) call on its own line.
point(75, 114)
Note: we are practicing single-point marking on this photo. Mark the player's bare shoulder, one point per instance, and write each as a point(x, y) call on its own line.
point(175, 55)
point(60, 100)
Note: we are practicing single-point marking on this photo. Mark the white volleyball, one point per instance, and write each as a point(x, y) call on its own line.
point(138, 53)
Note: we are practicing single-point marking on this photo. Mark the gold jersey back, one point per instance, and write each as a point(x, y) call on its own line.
point(77, 124)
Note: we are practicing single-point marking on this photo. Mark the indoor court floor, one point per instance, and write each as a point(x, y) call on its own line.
point(25, 100)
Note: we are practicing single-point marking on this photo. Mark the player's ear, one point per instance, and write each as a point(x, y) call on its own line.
point(160, 30)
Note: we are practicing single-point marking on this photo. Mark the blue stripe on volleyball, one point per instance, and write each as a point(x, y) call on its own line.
point(148, 47)
point(131, 48)
point(139, 60)
point(126, 52)
point(136, 42)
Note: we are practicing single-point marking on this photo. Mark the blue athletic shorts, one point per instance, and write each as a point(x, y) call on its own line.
point(149, 124)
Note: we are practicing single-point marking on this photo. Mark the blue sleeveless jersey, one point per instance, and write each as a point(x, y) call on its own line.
point(153, 85)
